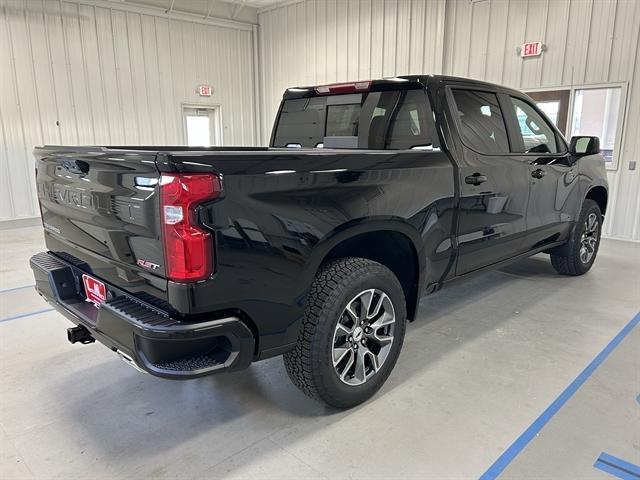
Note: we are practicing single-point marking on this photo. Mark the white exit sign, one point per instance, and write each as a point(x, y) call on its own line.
point(205, 90)
point(531, 49)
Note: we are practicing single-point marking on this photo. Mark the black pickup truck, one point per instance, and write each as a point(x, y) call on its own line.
point(191, 261)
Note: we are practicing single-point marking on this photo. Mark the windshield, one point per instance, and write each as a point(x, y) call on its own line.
point(393, 120)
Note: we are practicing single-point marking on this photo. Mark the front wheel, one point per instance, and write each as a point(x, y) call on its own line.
point(352, 333)
point(577, 256)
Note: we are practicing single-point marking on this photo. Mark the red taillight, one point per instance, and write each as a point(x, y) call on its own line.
point(350, 87)
point(188, 249)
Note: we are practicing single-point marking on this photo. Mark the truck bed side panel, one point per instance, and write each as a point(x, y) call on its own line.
point(282, 211)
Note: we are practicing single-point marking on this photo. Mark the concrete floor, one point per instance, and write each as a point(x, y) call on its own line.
point(483, 360)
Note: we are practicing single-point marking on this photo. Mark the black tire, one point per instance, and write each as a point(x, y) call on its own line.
point(568, 259)
point(310, 364)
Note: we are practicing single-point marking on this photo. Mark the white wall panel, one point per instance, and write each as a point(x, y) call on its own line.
point(556, 35)
point(588, 42)
point(75, 72)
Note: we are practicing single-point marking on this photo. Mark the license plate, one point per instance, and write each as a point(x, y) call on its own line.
point(94, 289)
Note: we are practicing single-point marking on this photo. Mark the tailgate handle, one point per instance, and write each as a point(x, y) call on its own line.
point(75, 166)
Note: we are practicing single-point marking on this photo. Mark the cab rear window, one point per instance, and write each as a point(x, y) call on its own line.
point(392, 120)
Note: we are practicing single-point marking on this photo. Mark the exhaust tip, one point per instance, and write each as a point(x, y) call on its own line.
point(129, 360)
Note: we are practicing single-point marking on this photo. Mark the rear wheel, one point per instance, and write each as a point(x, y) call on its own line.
point(351, 335)
point(577, 256)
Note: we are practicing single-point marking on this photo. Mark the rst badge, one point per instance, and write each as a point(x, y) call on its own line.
point(147, 264)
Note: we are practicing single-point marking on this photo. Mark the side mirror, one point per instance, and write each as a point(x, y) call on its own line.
point(583, 145)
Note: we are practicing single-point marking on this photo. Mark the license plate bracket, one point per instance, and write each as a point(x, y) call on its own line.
point(94, 290)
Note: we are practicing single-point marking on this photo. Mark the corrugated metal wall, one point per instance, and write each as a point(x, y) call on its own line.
point(588, 41)
point(75, 74)
point(112, 76)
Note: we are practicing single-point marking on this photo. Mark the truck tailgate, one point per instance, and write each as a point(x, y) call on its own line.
point(100, 207)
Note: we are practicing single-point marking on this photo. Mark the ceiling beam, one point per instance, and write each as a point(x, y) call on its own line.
point(211, 4)
point(162, 12)
point(275, 6)
point(237, 9)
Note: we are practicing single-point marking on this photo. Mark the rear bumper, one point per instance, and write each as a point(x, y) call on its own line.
point(141, 333)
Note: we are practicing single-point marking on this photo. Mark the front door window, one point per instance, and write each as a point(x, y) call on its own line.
point(537, 135)
point(555, 105)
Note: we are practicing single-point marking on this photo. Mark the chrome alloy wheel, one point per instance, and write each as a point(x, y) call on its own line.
point(363, 336)
point(589, 238)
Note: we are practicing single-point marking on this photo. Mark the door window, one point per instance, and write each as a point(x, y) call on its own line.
point(551, 109)
point(198, 131)
point(555, 105)
point(481, 121)
point(201, 126)
point(537, 135)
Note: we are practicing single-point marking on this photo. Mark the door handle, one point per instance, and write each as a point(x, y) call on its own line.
point(538, 173)
point(475, 179)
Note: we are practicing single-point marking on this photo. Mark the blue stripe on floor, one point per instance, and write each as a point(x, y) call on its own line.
point(4, 290)
point(22, 315)
point(617, 467)
point(523, 440)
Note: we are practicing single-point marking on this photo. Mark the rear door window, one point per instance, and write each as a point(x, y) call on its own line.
point(393, 120)
point(481, 121)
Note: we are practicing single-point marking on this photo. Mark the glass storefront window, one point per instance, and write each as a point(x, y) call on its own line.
point(551, 110)
point(595, 112)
